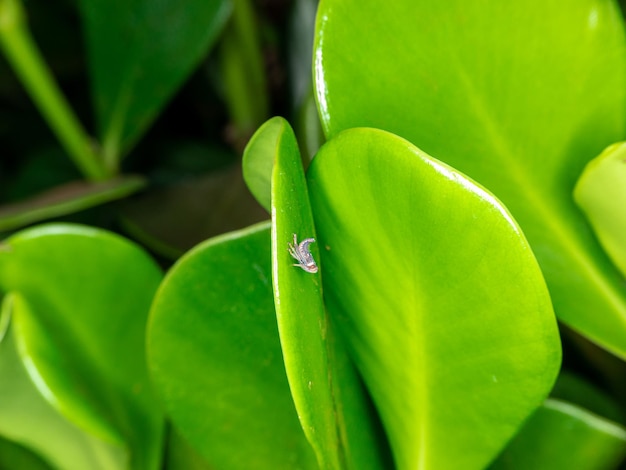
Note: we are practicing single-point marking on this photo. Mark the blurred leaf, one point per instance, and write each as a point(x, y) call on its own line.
point(38, 171)
point(26, 60)
point(309, 129)
point(172, 219)
point(67, 199)
point(178, 159)
point(608, 371)
point(328, 395)
point(140, 52)
point(439, 296)
point(518, 96)
point(574, 389)
point(5, 315)
point(81, 303)
point(181, 456)
point(27, 418)
point(560, 436)
point(14, 456)
point(214, 352)
point(601, 194)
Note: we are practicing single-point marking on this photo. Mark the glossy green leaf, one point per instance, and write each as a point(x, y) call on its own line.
point(27, 418)
point(67, 199)
point(439, 296)
point(268, 142)
point(214, 352)
point(601, 194)
point(81, 301)
point(140, 52)
point(326, 390)
point(561, 435)
point(519, 96)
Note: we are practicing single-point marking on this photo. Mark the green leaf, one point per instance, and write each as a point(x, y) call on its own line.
point(20, 50)
point(259, 158)
point(577, 391)
point(181, 456)
point(439, 296)
point(309, 129)
point(16, 456)
point(517, 96)
point(81, 301)
point(214, 352)
point(327, 393)
point(561, 435)
point(28, 419)
point(140, 52)
point(601, 194)
point(67, 199)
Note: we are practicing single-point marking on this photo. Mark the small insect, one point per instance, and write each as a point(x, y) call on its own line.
point(300, 251)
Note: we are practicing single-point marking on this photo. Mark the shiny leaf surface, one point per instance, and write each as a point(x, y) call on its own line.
point(81, 303)
point(214, 352)
point(327, 393)
point(27, 418)
point(519, 96)
point(601, 194)
point(438, 294)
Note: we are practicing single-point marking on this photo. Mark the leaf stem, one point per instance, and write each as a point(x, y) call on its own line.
point(25, 58)
point(243, 73)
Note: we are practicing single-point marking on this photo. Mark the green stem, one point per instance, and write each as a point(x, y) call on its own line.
point(27, 62)
point(243, 72)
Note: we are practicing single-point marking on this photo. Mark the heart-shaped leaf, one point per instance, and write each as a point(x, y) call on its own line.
point(140, 51)
point(561, 435)
point(81, 302)
point(519, 96)
point(215, 354)
point(439, 296)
